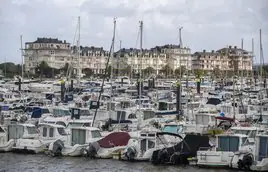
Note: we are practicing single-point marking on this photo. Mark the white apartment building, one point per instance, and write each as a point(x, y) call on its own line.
point(57, 53)
point(94, 58)
point(178, 57)
point(149, 58)
point(226, 59)
point(53, 51)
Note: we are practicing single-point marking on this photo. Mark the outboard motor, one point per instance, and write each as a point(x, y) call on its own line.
point(91, 151)
point(56, 147)
point(160, 156)
point(131, 153)
point(245, 162)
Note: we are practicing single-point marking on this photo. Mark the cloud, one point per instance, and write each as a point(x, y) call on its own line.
point(206, 24)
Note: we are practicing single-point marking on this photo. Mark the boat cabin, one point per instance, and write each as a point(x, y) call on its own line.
point(84, 135)
point(231, 143)
point(51, 131)
point(148, 139)
point(26, 131)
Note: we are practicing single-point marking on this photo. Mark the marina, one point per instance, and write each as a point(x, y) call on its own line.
point(69, 107)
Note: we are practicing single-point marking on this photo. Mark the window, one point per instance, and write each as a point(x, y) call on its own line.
point(51, 132)
point(228, 143)
point(32, 130)
point(44, 132)
point(61, 131)
point(95, 134)
point(78, 136)
point(151, 144)
point(1, 130)
point(263, 148)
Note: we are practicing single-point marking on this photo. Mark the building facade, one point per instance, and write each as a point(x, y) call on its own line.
point(178, 57)
point(57, 53)
point(225, 59)
point(53, 51)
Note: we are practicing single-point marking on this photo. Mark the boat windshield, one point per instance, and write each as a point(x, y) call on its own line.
point(61, 112)
point(173, 129)
point(85, 112)
point(95, 134)
point(32, 130)
point(62, 131)
point(76, 124)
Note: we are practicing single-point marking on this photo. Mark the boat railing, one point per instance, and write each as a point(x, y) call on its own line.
point(205, 148)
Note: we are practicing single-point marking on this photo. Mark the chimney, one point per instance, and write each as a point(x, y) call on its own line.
point(235, 47)
point(204, 51)
point(230, 47)
point(212, 51)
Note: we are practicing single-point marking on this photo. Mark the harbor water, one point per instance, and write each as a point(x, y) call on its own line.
point(10, 162)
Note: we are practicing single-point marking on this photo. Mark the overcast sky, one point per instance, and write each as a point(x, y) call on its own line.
point(207, 24)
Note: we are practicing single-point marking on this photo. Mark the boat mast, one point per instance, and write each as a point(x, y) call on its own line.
point(242, 61)
point(78, 50)
point(119, 58)
point(5, 67)
point(111, 76)
point(140, 71)
point(104, 77)
point(21, 57)
point(261, 58)
point(252, 49)
point(261, 65)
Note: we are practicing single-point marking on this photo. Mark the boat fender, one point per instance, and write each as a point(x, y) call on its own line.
point(245, 162)
point(131, 153)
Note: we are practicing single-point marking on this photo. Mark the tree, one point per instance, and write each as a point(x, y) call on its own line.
point(166, 70)
point(180, 71)
point(216, 73)
point(126, 70)
point(88, 72)
point(65, 68)
point(148, 71)
point(199, 72)
point(43, 69)
point(10, 69)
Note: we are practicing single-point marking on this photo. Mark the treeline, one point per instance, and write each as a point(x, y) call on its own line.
point(10, 69)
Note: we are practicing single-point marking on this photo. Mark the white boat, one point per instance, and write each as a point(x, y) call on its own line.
point(261, 153)
point(35, 141)
point(76, 143)
point(142, 147)
point(222, 155)
point(111, 146)
point(6, 144)
point(45, 86)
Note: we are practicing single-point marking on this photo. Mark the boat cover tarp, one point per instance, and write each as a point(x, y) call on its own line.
point(224, 118)
point(190, 144)
point(114, 139)
point(213, 101)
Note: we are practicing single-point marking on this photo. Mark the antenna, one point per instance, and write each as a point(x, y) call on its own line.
point(181, 46)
